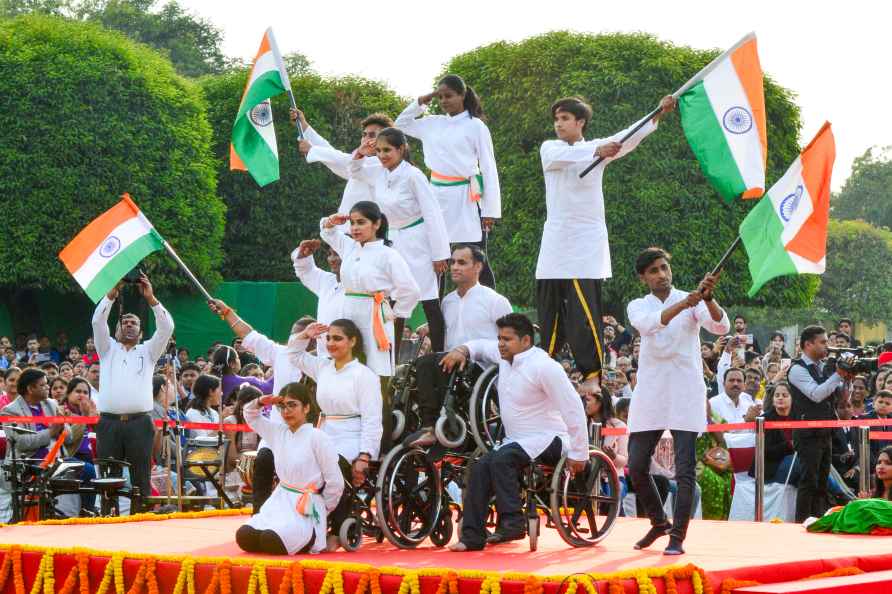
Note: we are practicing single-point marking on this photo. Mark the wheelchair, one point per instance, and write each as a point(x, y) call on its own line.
point(362, 520)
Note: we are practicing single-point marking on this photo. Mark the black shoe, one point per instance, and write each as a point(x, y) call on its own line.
point(498, 537)
point(674, 547)
point(652, 535)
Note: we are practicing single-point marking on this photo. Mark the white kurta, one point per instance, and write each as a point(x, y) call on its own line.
point(371, 268)
point(354, 391)
point(536, 400)
point(574, 237)
point(473, 316)
point(327, 288)
point(405, 198)
point(338, 162)
point(193, 415)
point(457, 146)
point(670, 393)
point(302, 458)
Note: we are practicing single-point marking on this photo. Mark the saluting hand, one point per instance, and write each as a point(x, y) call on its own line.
point(314, 330)
point(307, 247)
point(425, 99)
point(335, 220)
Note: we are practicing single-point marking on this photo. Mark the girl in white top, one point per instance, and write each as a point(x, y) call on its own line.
point(207, 392)
point(373, 274)
point(310, 482)
point(416, 222)
point(348, 393)
point(457, 147)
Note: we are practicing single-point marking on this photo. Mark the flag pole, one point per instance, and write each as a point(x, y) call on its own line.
point(683, 89)
point(188, 272)
point(283, 73)
point(718, 267)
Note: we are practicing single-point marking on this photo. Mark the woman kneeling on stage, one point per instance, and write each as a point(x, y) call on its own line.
point(293, 519)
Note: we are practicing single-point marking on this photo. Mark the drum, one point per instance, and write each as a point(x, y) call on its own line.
point(246, 461)
point(199, 452)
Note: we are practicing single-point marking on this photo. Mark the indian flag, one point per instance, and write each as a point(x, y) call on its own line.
point(110, 247)
point(786, 233)
point(253, 147)
point(723, 117)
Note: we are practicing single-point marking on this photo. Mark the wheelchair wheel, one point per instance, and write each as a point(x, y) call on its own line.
point(486, 420)
point(350, 534)
point(443, 530)
point(409, 497)
point(584, 508)
point(533, 532)
point(451, 433)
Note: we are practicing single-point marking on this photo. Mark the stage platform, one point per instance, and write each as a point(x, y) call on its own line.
point(743, 551)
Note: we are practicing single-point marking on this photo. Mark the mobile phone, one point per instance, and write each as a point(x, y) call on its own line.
point(745, 339)
point(610, 375)
point(785, 363)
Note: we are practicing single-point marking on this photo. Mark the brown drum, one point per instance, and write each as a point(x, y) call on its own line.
point(245, 468)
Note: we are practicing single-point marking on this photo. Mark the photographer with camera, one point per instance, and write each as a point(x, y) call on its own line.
point(125, 430)
point(812, 384)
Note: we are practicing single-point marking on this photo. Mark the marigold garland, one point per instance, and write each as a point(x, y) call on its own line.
point(531, 585)
point(143, 517)
point(730, 584)
point(5, 570)
point(83, 572)
point(140, 580)
point(297, 578)
point(838, 572)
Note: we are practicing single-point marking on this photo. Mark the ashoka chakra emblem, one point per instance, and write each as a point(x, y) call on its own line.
point(110, 247)
point(262, 114)
point(737, 120)
point(789, 204)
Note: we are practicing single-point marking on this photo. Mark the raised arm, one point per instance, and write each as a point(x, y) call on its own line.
point(163, 321)
point(260, 424)
point(101, 336)
point(491, 204)
point(410, 120)
point(363, 169)
point(433, 216)
point(297, 350)
point(329, 232)
point(305, 268)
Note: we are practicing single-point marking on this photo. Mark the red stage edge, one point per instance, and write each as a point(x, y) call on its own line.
point(785, 577)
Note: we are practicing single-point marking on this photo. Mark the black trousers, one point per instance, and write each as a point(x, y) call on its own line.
point(641, 449)
point(345, 504)
point(131, 441)
point(436, 324)
point(812, 496)
point(569, 312)
point(252, 540)
point(498, 473)
point(264, 474)
point(431, 382)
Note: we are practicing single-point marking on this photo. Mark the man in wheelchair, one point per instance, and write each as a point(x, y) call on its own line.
point(542, 415)
point(470, 311)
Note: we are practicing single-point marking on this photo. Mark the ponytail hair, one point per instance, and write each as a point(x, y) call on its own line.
point(398, 140)
point(472, 101)
point(222, 359)
point(351, 330)
point(372, 212)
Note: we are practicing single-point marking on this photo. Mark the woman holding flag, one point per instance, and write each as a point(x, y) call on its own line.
point(458, 149)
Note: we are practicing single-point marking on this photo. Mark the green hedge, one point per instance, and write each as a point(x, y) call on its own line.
point(85, 115)
point(654, 196)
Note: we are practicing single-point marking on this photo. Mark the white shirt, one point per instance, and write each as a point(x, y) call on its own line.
point(670, 393)
point(456, 146)
point(574, 237)
point(193, 415)
point(405, 196)
point(275, 355)
point(125, 376)
point(473, 316)
point(723, 406)
point(373, 267)
point(536, 400)
point(338, 162)
point(327, 288)
point(353, 389)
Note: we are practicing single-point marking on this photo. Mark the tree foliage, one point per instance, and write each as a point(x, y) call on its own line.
point(86, 115)
point(867, 194)
point(192, 43)
point(859, 266)
point(654, 196)
point(265, 224)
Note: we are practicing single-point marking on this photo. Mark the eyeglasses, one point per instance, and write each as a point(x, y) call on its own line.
point(289, 405)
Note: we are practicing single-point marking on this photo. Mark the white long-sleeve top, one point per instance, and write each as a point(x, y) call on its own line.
point(723, 406)
point(275, 355)
point(125, 376)
point(351, 390)
point(670, 392)
point(536, 400)
point(473, 316)
point(574, 237)
point(327, 288)
point(405, 196)
point(457, 146)
point(373, 267)
point(338, 162)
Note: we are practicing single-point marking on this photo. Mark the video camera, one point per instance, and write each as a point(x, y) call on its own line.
point(858, 360)
point(132, 277)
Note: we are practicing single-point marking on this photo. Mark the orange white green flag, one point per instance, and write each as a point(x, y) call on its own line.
point(723, 117)
point(786, 232)
point(110, 247)
point(253, 148)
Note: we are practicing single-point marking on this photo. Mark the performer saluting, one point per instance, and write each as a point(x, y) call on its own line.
point(310, 482)
point(457, 147)
point(670, 393)
point(373, 274)
point(574, 255)
point(408, 202)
